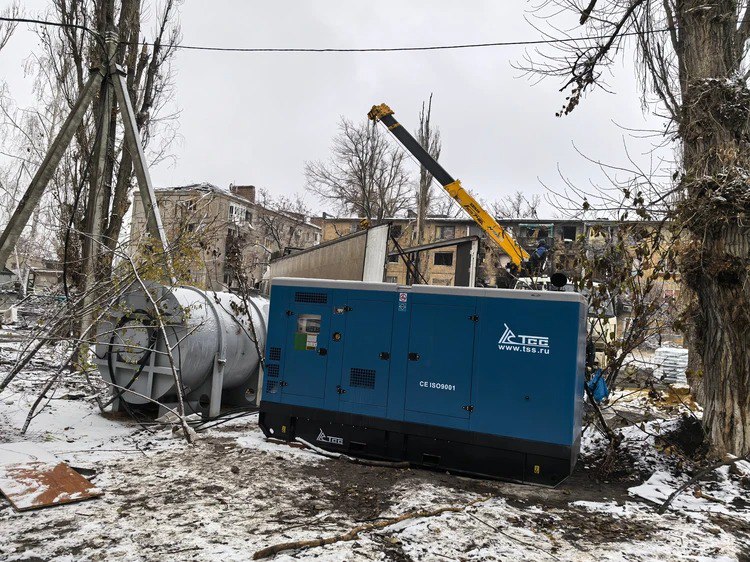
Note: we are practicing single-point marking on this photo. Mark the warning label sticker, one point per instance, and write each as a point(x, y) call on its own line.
point(305, 342)
point(312, 341)
point(402, 297)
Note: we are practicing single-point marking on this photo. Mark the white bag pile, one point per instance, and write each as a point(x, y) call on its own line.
point(671, 364)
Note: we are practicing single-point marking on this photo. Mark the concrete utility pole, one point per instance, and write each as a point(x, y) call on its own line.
point(92, 242)
point(114, 76)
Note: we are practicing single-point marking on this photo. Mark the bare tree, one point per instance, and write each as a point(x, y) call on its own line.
point(631, 264)
point(429, 138)
point(60, 68)
point(365, 175)
point(443, 205)
point(20, 144)
point(8, 27)
point(517, 206)
point(692, 59)
point(150, 84)
point(280, 223)
point(282, 220)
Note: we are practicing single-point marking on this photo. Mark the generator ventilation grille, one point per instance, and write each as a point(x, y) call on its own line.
point(274, 354)
point(317, 298)
point(272, 371)
point(362, 378)
point(272, 387)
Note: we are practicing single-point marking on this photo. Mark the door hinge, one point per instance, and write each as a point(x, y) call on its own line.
point(385, 356)
point(340, 390)
point(348, 308)
point(414, 357)
point(283, 383)
point(469, 408)
point(289, 313)
point(474, 318)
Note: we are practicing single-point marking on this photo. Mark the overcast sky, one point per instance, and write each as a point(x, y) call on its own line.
point(255, 118)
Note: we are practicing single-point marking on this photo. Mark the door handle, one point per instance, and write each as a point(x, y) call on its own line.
point(414, 357)
point(385, 356)
point(322, 351)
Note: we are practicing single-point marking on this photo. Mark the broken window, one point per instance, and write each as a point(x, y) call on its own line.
point(569, 233)
point(445, 232)
point(443, 258)
point(535, 231)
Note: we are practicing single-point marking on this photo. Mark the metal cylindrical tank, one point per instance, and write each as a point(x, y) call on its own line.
point(215, 339)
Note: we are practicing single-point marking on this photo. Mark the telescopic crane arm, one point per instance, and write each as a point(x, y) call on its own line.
point(486, 221)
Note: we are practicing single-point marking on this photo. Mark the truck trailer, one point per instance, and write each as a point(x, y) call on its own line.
point(486, 382)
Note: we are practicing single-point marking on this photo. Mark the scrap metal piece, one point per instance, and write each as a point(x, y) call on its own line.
point(31, 478)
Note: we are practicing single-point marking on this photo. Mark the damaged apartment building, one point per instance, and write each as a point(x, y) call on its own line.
point(222, 231)
point(455, 252)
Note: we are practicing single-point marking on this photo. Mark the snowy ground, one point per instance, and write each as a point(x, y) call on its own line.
point(233, 493)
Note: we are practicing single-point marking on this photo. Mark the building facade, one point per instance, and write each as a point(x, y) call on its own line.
point(563, 238)
point(220, 236)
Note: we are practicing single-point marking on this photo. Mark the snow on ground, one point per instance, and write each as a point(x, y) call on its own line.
point(233, 493)
point(723, 496)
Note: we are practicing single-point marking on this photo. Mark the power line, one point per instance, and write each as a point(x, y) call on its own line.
point(353, 50)
point(50, 23)
point(401, 49)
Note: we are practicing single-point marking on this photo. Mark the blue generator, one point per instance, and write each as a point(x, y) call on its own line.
point(487, 382)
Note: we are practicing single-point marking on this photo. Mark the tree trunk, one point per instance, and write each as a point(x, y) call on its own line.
point(713, 127)
point(695, 362)
point(725, 342)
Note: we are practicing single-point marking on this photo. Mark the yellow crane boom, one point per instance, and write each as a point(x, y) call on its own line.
point(485, 220)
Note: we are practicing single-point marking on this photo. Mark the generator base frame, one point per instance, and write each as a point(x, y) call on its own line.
point(424, 446)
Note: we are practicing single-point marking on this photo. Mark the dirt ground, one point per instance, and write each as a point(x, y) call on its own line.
point(234, 493)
